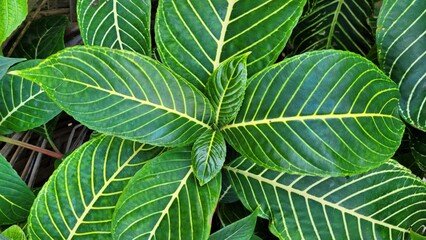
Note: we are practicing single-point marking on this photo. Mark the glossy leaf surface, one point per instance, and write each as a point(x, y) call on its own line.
point(164, 201)
point(323, 113)
point(239, 230)
point(16, 197)
point(79, 199)
point(208, 155)
point(43, 38)
point(380, 204)
point(337, 24)
point(23, 104)
point(123, 94)
point(119, 24)
point(401, 44)
point(226, 87)
point(12, 13)
point(194, 37)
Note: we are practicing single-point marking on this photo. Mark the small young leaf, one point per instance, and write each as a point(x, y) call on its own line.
point(380, 204)
point(80, 197)
point(44, 37)
point(16, 198)
point(240, 230)
point(119, 24)
point(401, 45)
point(14, 232)
point(226, 87)
point(23, 104)
point(164, 201)
point(208, 155)
point(12, 15)
point(124, 94)
point(323, 113)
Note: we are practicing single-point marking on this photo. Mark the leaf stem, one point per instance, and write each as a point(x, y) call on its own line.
point(31, 147)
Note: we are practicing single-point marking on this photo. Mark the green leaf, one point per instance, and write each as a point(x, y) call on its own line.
point(6, 63)
point(124, 94)
point(194, 37)
point(79, 199)
point(43, 38)
point(14, 232)
point(380, 204)
point(226, 87)
point(324, 113)
point(339, 24)
point(120, 24)
point(416, 236)
point(208, 156)
point(23, 104)
point(12, 13)
point(16, 197)
point(164, 201)
point(418, 147)
point(240, 230)
point(401, 46)
point(231, 212)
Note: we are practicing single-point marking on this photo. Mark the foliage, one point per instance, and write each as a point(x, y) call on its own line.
point(316, 130)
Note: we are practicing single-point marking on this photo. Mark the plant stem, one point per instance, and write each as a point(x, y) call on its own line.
point(31, 147)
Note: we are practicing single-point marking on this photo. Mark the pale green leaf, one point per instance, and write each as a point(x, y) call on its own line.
point(12, 13)
point(194, 37)
point(23, 104)
point(226, 87)
point(337, 24)
point(43, 38)
point(240, 230)
point(16, 197)
point(324, 113)
point(119, 24)
point(6, 63)
point(123, 94)
point(164, 201)
point(380, 204)
point(79, 199)
point(14, 232)
point(208, 156)
point(401, 45)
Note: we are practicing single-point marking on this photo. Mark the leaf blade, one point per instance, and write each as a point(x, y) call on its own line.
point(13, 13)
point(241, 229)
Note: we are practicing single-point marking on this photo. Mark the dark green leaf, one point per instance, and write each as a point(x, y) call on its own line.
point(324, 113)
point(339, 24)
point(79, 199)
point(120, 24)
point(240, 230)
point(226, 87)
point(208, 155)
point(194, 36)
point(44, 37)
point(380, 204)
point(401, 45)
point(231, 212)
point(16, 197)
point(6, 63)
point(164, 201)
point(418, 147)
point(12, 13)
point(124, 94)
point(23, 104)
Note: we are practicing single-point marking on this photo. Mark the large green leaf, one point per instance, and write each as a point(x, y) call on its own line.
point(23, 104)
point(44, 37)
point(240, 230)
point(79, 199)
point(124, 94)
point(323, 113)
point(194, 37)
point(164, 201)
point(337, 24)
point(383, 203)
point(12, 13)
point(16, 197)
point(226, 87)
point(401, 44)
point(208, 155)
point(120, 24)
